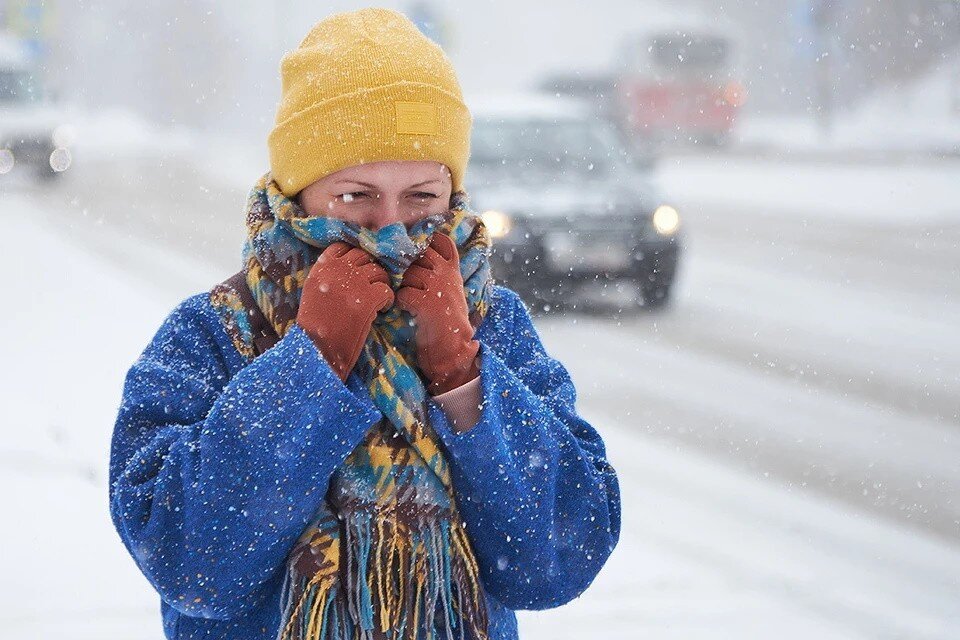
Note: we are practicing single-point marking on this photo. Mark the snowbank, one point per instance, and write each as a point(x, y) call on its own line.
point(896, 193)
point(118, 133)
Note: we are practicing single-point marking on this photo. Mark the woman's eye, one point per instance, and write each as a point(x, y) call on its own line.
point(353, 195)
point(423, 195)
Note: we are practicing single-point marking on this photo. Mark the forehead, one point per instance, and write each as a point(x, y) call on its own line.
point(393, 172)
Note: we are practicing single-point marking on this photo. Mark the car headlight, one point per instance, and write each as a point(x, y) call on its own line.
point(666, 220)
point(498, 224)
point(60, 159)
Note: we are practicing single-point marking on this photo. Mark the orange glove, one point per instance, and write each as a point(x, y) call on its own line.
point(341, 296)
point(432, 292)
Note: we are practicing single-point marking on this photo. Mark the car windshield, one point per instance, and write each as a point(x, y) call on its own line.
point(535, 146)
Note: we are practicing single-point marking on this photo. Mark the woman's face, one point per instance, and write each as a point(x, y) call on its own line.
point(377, 194)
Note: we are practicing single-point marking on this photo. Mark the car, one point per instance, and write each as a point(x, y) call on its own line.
point(566, 208)
point(34, 132)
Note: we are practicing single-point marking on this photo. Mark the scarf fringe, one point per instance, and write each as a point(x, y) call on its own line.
point(439, 568)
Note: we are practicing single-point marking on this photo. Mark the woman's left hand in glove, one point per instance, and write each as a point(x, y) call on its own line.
point(432, 292)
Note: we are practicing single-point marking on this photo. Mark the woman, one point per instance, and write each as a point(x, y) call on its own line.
point(359, 434)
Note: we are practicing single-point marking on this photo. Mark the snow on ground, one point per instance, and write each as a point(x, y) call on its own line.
point(823, 297)
point(710, 553)
point(707, 551)
point(78, 318)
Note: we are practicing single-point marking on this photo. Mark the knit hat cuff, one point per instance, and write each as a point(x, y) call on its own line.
point(401, 121)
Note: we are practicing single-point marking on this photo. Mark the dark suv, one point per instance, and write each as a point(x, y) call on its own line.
point(567, 209)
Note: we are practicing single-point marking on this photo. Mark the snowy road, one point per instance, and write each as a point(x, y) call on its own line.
point(787, 434)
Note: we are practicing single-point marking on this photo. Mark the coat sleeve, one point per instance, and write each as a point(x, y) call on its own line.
point(213, 479)
point(540, 501)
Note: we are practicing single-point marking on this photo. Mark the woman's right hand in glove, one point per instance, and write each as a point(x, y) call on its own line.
point(341, 296)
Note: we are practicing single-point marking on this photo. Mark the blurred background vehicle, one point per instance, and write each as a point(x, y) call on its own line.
point(677, 82)
point(566, 205)
point(674, 83)
point(34, 132)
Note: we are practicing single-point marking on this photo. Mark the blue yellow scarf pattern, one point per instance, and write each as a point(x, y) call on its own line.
point(387, 550)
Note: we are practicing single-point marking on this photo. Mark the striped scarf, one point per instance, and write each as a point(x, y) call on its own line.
point(387, 547)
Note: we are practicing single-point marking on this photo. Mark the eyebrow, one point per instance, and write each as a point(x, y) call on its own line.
point(371, 186)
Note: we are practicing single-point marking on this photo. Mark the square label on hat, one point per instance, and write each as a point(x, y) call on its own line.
point(417, 117)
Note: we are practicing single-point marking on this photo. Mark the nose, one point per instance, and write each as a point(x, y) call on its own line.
point(383, 214)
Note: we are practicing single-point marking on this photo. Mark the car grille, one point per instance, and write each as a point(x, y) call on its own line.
point(616, 229)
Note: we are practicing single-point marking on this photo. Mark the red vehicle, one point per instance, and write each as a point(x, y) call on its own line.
point(677, 85)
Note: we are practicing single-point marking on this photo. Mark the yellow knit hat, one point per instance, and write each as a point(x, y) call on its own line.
point(365, 86)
